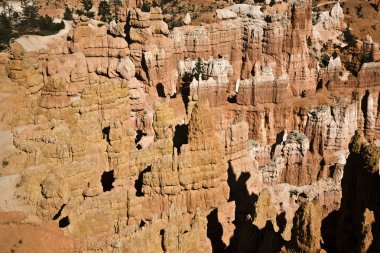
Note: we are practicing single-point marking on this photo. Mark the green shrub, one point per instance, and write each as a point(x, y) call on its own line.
point(14, 24)
point(145, 7)
point(5, 31)
point(325, 59)
point(47, 27)
point(104, 11)
point(68, 15)
point(349, 38)
point(199, 68)
point(87, 6)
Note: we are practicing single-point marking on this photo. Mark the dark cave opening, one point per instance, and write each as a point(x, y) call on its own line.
point(319, 85)
point(139, 181)
point(107, 180)
point(106, 134)
point(160, 90)
point(139, 135)
point(332, 169)
point(56, 216)
point(232, 99)
point(142, 224)
point(5, 163)
point(180, 136)
point(64, 222)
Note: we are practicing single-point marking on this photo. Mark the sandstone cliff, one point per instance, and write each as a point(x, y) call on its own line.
point(224, 137)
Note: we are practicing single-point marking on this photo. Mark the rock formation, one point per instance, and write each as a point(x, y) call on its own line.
point(232, 136)
point(359, 201)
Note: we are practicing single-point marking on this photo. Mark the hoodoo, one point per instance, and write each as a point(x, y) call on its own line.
point(190, 126)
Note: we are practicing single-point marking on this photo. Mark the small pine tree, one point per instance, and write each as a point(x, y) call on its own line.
point(68, 15)
point(155, 4)
point(47, 26)
point(325, 59)
point(367, 57)
point(5, 30)
point(199, 68)
point(104, 11)
point(45, 23)
point(30, 12)
point(145, 7)
point(87, 6)
point(116, 5)
point(349, 38)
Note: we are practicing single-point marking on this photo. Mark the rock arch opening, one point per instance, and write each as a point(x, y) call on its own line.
point(139, 135)
point(107, 180)
point(160, 90)
point(232, 99)
point(64, 222)
point(180, 136)
point(106, 134)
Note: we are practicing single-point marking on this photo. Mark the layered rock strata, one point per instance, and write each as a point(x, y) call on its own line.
point(117, 142)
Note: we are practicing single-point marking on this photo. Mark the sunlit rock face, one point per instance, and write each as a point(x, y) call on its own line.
point(232, 136)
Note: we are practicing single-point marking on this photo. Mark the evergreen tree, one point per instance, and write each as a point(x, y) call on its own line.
point(87, 6)
point(13, 25)
point(146, 7)
point(30, 12)
point(68, 15)
point(199, 68)
point(5, 30)
point(116, 5)
point(104, 11)
point(349, 38)
point(45, 23)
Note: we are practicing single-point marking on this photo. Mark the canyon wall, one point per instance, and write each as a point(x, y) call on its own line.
point(225, 137)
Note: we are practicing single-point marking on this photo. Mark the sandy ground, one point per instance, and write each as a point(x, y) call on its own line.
point(7, 183)
point(8, 152)
point(6, 144)
point(17, 236)
point(7, 189)
point(20, 230)
point(35, 42)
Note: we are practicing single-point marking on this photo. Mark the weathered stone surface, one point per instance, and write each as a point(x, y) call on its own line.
point(359, 201)
point(306, 235)
point(117, 142)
